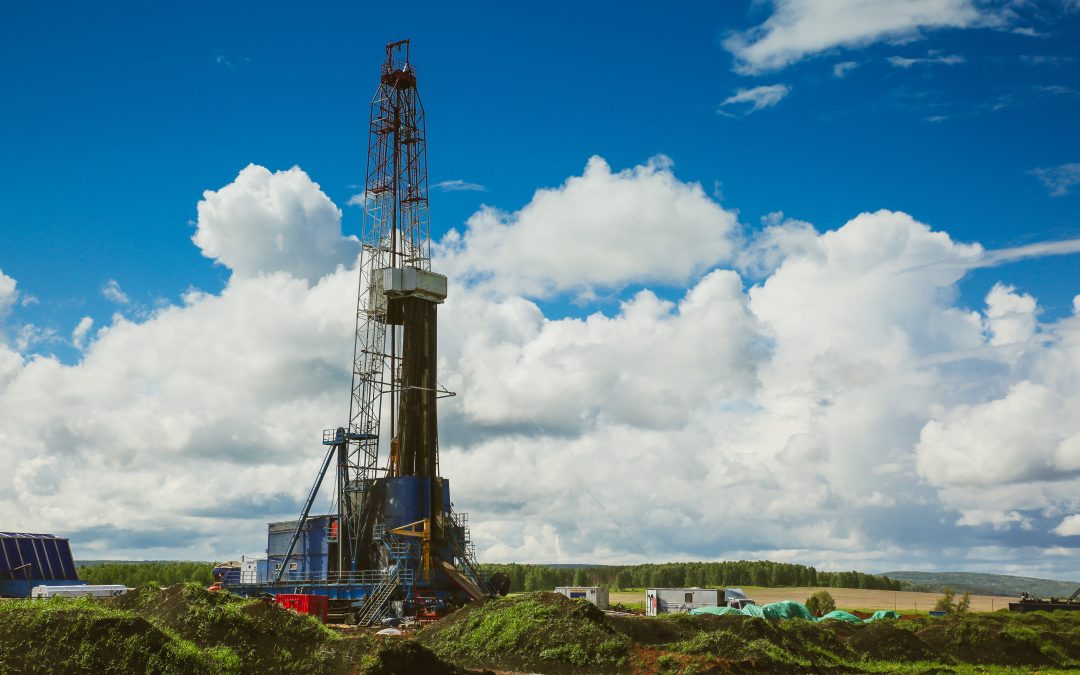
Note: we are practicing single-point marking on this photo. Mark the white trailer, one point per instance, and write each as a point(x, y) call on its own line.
point(679, 600)
point(594, 594)
point(101, 591)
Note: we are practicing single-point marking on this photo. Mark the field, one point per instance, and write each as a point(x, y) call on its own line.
point(846, 598)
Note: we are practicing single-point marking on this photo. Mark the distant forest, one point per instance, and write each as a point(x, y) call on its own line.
point(133, 574)
point(984, 584)
point(683, 575)
point(547, 577)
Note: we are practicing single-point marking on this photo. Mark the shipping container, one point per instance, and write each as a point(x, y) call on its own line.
point(594, 594)
point(304, 603)
point(679, 600)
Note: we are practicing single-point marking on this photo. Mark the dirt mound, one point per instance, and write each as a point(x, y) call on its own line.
point(399, 657)
point(265, 637)
point(79, 636)
point(668, 628)
point(185, 629)
point(984, 640)
point(882, 641)
point(543, 632)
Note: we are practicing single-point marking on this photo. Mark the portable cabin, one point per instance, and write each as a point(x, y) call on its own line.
point(679, 600)
point(594, 594)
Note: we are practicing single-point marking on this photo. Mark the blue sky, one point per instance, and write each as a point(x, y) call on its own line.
point(119, 115)
point(665, 310)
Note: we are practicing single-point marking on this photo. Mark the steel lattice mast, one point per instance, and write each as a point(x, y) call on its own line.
point(395, 236)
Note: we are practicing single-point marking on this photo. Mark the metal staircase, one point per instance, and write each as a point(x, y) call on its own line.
point(375, 605)
point(400, 576)
point(465, 551)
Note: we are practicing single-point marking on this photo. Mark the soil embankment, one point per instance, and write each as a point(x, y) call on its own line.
point(547, 633)
point(185, 629)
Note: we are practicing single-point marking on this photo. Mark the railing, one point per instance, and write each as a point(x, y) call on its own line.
point(466, 552)
point(375, 606)
point(362, 577)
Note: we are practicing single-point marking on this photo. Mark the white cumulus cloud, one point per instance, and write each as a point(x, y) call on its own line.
point(835, 405)
point(267, 222)
point(1069, 527)
point(797, 29)
point(598, 231)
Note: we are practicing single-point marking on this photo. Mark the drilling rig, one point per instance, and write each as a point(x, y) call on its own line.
point(392, 543)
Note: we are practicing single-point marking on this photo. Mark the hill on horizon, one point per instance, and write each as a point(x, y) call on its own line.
point(979, 583)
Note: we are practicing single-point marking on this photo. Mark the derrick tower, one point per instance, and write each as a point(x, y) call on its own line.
point(395, 344)
point(392, 536)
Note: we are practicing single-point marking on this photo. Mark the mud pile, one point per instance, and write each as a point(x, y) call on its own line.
point(536, 632)
point(185, 629)
point(79, 636)
point(547, 633)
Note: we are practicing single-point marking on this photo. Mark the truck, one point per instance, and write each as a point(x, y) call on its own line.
point(735, 597)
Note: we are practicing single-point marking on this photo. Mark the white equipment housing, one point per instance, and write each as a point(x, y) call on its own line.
point(102, 591)
point(594, 594)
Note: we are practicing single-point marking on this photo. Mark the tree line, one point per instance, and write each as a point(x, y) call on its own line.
point(685, 575)
point(134, 574)
point(546, 577)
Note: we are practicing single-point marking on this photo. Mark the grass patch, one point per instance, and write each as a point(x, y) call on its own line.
point(542, 631)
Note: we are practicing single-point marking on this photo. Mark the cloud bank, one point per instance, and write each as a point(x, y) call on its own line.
point(800, 394)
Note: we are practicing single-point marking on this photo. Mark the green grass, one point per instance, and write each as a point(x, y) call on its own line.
point(539, 630)
point(184, 629)
point(54, 631)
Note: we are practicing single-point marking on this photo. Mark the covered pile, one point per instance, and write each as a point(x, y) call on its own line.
point(787, 609)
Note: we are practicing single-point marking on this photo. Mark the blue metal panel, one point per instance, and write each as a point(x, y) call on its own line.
point(407, 501)
point(35, 556)
point(311, 555)
point(67, 561)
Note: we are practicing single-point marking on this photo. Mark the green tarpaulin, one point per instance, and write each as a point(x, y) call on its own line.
point(718, 611)
point(841, 615)
point(793, 610)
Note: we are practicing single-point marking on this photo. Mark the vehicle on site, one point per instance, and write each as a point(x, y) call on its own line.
point(1026, 603)
point(735, 597)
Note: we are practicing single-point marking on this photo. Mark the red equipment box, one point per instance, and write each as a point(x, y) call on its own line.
point(315, 605)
